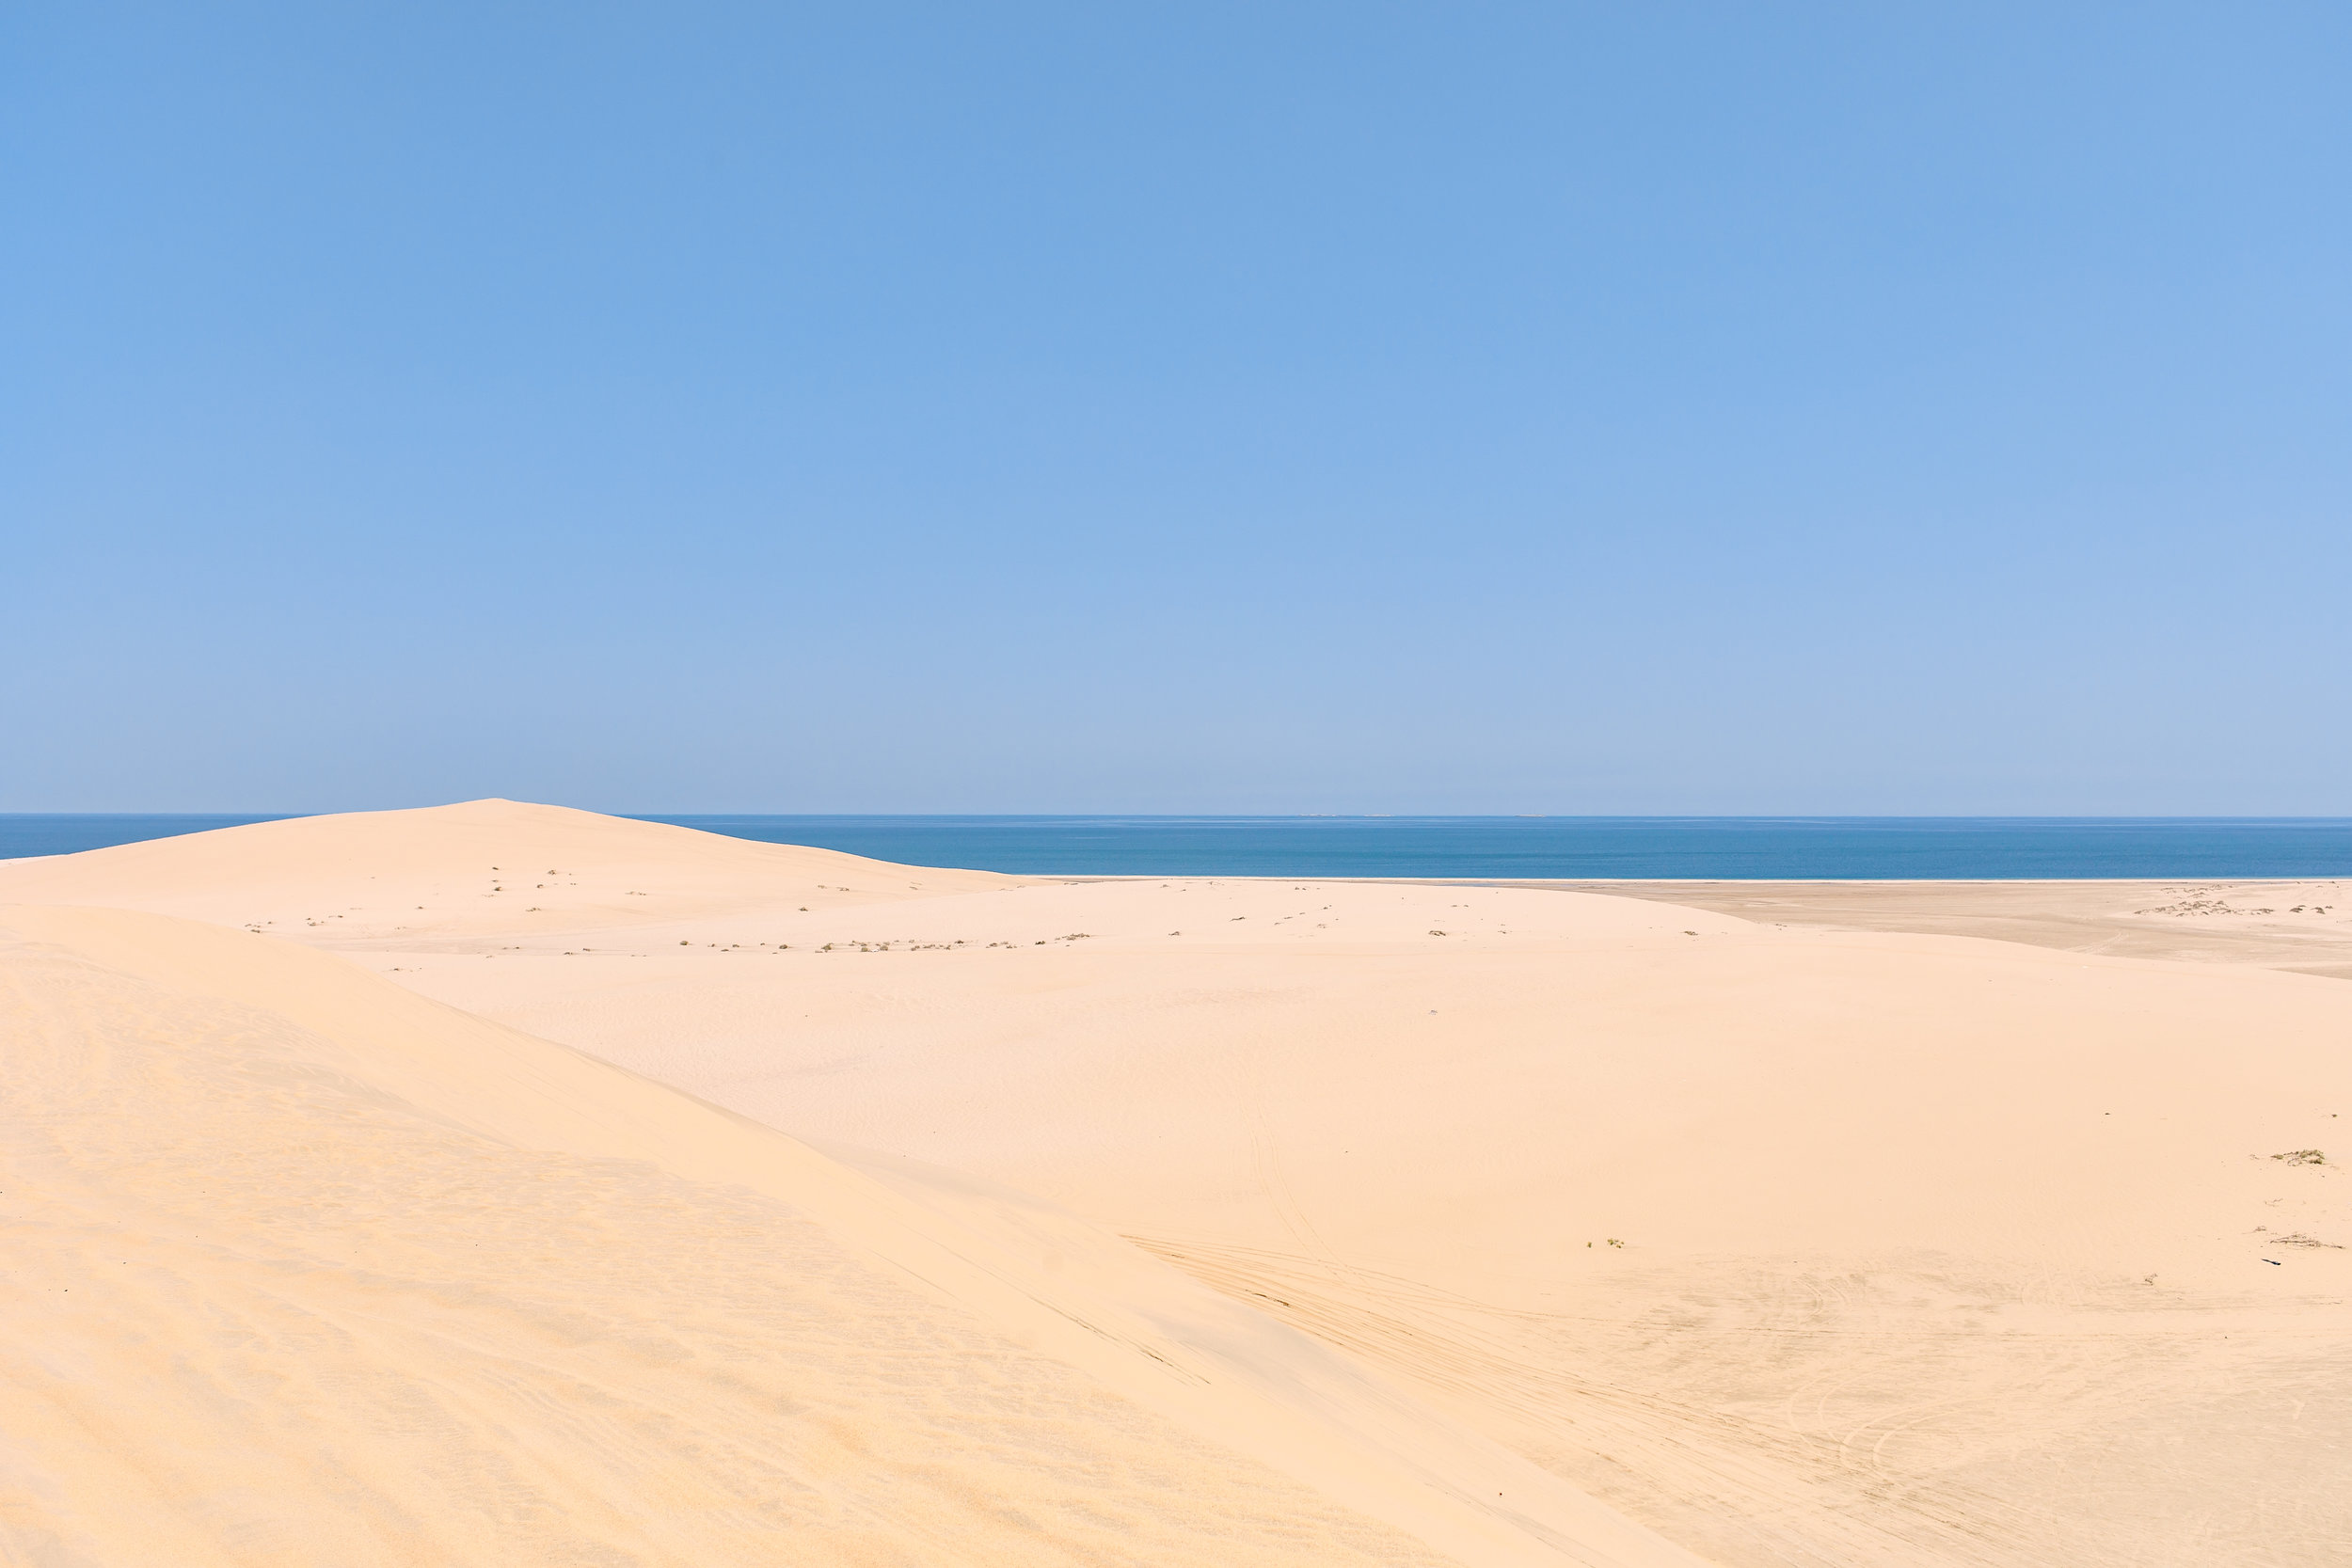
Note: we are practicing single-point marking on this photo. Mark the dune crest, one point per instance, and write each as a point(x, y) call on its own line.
point(480, 864)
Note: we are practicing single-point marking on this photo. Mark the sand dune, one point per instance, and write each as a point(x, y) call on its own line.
point(1799, 1247)
point(490, 865)
point(311, 1270)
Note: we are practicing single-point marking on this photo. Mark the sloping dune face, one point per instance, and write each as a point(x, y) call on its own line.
point(1800, 1247)
point(304, 1269)
point(480, 866)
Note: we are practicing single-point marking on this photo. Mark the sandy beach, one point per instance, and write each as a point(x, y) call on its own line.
point(2304, 928)
point(505, 1184)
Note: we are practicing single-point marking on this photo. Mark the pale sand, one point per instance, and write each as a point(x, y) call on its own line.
point(2302, 927)
point(1934, 1250)
point(304, 1269)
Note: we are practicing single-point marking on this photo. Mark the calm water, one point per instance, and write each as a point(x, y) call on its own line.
point(1868, 849)
point(57, 833)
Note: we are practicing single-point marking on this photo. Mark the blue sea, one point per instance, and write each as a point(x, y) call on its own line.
point(1860, 848)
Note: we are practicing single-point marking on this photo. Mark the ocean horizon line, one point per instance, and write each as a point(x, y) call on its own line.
point(1520, 847)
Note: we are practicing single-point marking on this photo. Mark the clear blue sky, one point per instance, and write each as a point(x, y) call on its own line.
point(1450, 407)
